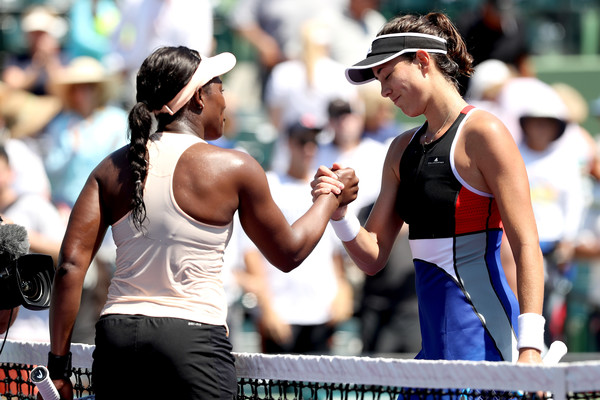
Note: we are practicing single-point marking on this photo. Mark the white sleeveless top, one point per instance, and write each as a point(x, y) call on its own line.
point(174, 268)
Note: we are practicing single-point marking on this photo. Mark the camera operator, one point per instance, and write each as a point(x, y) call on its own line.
point(45, 229)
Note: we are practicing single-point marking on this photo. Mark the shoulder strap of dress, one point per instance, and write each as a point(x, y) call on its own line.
point(467, 109)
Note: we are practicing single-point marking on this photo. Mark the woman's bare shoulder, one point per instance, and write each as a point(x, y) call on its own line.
point(486, 137)
point(487, 125)
point(113, 167)
point(225, 160)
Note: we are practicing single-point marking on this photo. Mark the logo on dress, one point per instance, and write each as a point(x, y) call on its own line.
point(437, 160)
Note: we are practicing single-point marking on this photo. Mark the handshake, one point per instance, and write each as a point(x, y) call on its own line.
point(339, 181)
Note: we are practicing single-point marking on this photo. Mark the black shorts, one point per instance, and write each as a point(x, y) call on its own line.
point(139, 357)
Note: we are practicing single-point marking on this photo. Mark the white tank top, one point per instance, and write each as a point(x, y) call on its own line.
point(174, 268)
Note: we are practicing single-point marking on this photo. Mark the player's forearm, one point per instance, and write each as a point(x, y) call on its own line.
point(530, 279)
point(309, 228)
point(66, 297)
point(366, 253)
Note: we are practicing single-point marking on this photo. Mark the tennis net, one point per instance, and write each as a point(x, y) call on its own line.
point(262, 376)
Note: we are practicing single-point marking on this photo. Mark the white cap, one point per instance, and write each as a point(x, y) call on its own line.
point(44, 19)
point(487, 75)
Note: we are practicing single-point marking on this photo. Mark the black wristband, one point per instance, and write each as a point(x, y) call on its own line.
point(59, 367)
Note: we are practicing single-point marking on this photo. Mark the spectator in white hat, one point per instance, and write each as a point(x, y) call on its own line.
point(43, 30)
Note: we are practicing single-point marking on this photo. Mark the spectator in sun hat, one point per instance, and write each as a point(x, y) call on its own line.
point(43, 30)
point(22, 116)
point(87, 129)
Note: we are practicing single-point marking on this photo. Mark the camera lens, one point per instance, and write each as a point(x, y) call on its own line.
point(34, 275)
point(32, 288)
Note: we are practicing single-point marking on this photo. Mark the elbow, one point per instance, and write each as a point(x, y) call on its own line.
point(68, 272)
point(288, 265)
point(370, 268)
point(65, 269)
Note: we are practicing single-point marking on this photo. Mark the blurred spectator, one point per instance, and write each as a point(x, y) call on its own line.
point(353, 30)
point(146, 25)
point(581, 140)
point(45, 230)
point(380, 115)
point(91, 23)
point(514, 96)
point(351, 148)
point(22, 116)
point(496, 31)
point(486, 83)
point(299, 310)
point(556, 194)
point(85, 132)
point(30, 71)
point(272, 27)
point(583, 314)
point(37, 214)
point(305, 86)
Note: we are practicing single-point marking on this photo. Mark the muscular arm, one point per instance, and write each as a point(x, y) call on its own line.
point(283, 245)
point(84, 234)
point(83, 237)
point(503, 169)
point(499, 161)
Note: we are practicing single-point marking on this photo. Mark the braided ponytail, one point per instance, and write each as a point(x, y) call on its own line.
point(160, 78)
point(140, 125)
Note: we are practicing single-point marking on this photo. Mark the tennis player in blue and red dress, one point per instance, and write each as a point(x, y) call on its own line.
point(459, 183)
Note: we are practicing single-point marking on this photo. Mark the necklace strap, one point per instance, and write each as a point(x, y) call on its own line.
point(432, 139)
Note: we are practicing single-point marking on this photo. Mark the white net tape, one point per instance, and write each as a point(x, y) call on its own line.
point(558, 379)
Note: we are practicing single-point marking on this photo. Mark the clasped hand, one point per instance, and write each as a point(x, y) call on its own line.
point(342, 182)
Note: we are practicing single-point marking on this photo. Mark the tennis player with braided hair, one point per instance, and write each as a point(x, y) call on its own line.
point(457, 181)
point(170, 198)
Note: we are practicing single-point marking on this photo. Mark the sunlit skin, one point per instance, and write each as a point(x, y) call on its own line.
point(486, 156)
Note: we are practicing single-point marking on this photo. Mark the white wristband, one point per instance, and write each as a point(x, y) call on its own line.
point(531, 331)
point(347, 228)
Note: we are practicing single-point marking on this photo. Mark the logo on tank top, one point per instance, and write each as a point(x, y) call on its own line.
point(437, 160)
